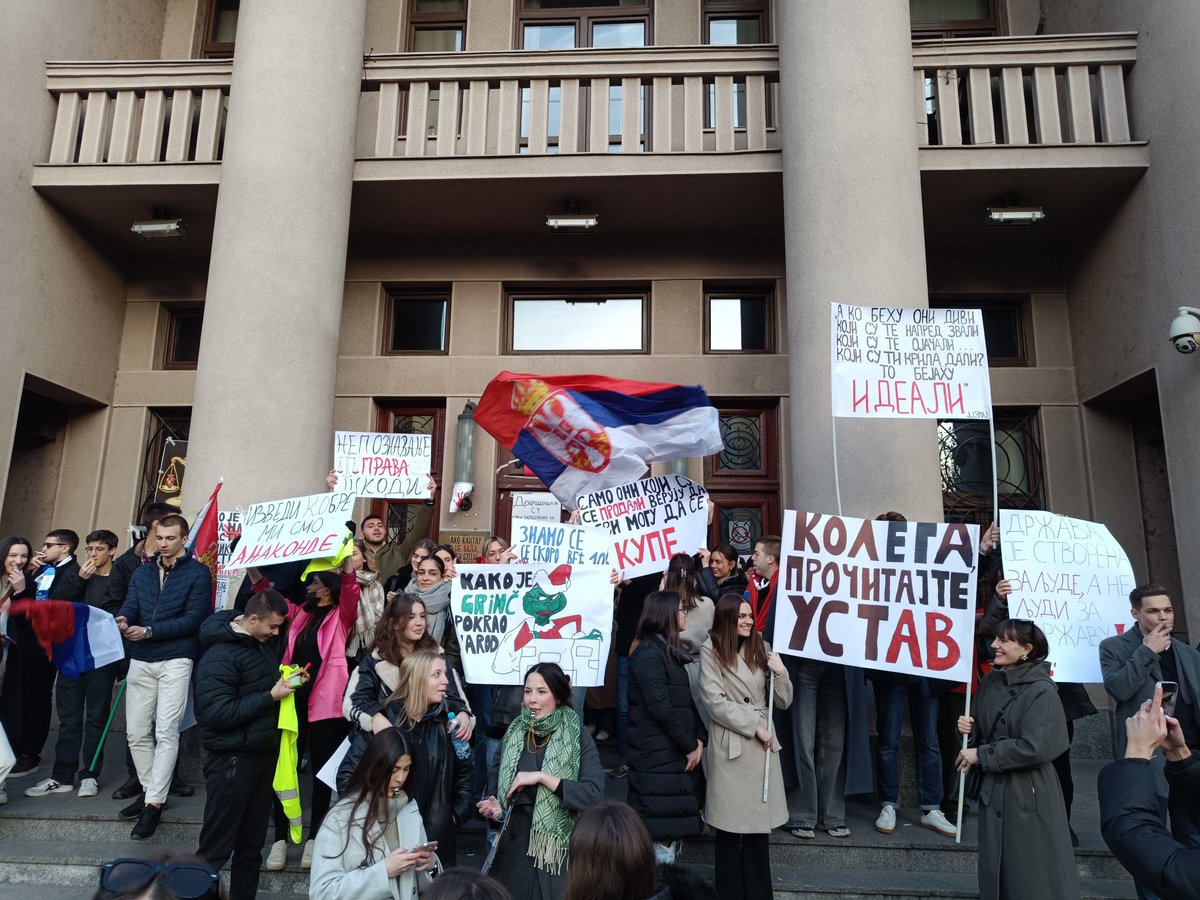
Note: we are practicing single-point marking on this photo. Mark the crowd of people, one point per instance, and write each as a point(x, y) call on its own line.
point(714, 729)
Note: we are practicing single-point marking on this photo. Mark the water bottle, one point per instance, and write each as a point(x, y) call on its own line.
point(461, 747)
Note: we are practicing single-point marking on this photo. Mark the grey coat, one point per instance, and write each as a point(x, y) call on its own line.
point(1024, 842)
point(737, 703)
point(1131, 671)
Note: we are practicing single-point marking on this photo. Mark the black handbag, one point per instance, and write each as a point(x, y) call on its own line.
point(974, 781)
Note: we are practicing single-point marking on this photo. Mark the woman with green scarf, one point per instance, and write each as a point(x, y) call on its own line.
point(546, 773)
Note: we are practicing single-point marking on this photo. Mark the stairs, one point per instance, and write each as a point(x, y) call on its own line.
point(51, 848)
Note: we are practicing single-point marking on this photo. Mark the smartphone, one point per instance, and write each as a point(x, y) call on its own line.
point(1170, 693)
point(427, 847)
point(295, 680)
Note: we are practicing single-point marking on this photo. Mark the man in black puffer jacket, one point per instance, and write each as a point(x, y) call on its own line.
point(237, 687)
point(161, 617)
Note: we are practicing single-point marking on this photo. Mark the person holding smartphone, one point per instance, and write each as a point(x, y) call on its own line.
point(372, 844)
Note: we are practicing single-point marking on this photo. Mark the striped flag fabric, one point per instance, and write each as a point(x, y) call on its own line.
point(203, 541)
point(581, 433)
point(77, 637)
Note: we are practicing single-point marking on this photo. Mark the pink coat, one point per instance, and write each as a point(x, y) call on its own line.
point(325, 699)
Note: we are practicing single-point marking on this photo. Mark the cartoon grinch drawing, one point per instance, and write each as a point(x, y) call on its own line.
point(547, 636)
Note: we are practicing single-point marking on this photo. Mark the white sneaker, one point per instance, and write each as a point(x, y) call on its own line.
point(49, 786)
point(88, 787)
point(886, 823)
point(935, 820)
point(277, 858)
point(307, 855)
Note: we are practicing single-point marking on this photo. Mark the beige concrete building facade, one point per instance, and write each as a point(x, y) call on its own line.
point(365, 186)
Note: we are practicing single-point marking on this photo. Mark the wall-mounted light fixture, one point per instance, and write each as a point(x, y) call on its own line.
point(576, 223)
point(1011, 214)
point(464, 459)
point(160, 228)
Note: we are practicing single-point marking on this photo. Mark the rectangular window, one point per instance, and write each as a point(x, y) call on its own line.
point(567, 24)
point(737, 21)
point(184, 324)
point(220, 28)
point(953, 18)
point(437, 26)
point(1003, 325)
point(417, 322)
point(738, 321)
point(595, 321)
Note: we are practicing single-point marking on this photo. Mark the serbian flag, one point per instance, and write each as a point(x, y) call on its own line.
point(202, 540)
point(78, 638)
point(582, 433)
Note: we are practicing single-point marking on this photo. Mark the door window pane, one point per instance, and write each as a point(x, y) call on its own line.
point(619, 34)
point(549, 37)
point(742, 437)
point(585, 324)
point(740, 527)
point(735, 31)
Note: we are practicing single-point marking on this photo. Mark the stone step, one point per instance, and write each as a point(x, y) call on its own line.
point(884, 884)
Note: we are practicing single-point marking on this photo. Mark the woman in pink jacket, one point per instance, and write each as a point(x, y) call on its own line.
point(316, 637)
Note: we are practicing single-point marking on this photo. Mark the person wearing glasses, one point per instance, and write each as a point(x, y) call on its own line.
point(54, 574)
point(1017, 730)
point(737, 671)
point(666, 735)
point(180, 876)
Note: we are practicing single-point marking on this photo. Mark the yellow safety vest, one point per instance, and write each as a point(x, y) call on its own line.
point(287, 775)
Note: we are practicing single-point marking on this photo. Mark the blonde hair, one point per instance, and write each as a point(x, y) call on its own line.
point(413, 686)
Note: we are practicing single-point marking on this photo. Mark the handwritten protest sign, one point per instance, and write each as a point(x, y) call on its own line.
point(509, 617)
point(909, 363)
point(648, 521)
point(229, 526)
point(1072, 579)
point(896, 596)
point(541, 506)
point(297, 528)
point(378, 464)
point(543, 542)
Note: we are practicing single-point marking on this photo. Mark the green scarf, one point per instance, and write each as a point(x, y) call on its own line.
point(551, 823)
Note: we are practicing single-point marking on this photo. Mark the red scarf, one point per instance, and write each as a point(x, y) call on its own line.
point(761, 599)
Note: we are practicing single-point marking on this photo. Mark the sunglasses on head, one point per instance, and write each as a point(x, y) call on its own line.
point(186, 880)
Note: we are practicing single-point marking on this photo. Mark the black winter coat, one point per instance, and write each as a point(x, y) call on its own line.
point(1132, 824)
point(369, 689)
point(233, 689)
point(439, 781)
point(663, 729)
point(174, 610)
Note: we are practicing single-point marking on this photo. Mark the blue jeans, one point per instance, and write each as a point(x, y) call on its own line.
point(623, 707)
point(890, 699)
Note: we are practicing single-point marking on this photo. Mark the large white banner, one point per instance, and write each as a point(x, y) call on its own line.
point(648, 521)
point(280, 531)
point(378, 464)
point(544, 542)
point(895, 596)
point(1072, 579)
point(509, 617)
point(909, 363)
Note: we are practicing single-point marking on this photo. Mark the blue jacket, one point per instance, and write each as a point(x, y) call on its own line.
point(174, 612)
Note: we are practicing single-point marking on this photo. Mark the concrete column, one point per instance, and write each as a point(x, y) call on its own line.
point(263, 410)
point(854, 233)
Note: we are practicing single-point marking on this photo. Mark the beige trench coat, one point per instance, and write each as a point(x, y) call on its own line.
point(737, 703)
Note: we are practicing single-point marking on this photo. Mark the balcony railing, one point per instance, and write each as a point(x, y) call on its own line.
point(1067, 89)
point(681, 100)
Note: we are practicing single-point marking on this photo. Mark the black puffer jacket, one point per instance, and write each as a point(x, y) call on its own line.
point(663, 728)
point(439, 781)
point(233, 689)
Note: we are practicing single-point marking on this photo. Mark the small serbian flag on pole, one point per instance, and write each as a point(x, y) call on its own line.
point(581, 433)
point(202, 541)
point(78, 638)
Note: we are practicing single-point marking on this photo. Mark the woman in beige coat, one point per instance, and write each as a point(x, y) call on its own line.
point(736, 667)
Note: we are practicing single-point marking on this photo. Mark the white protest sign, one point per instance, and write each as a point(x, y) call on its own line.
point(279, 531)
point(1072, 579)
point(543, 542)
point(894, 596)
point(909, 363)
point(537, 507)
point(378, 464)
point(229, 526)
point(509, 617)
point(648, 521)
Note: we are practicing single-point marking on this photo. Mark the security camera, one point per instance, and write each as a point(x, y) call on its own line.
point(1185, 330)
